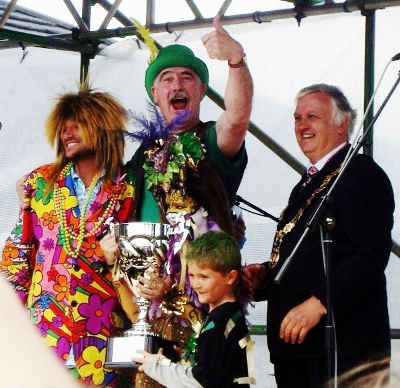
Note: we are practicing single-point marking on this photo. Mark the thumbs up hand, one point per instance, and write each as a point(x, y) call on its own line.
point(220, 45)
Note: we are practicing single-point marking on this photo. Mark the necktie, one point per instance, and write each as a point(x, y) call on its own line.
point(310, 173)
point(312, 170)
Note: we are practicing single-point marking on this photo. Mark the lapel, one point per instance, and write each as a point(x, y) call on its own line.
point(300, 194)
point(69, 197)
point(99, 201)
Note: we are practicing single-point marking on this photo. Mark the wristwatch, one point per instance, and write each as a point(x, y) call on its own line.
point(239, 64)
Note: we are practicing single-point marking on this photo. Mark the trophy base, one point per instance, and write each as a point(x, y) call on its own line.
point(121, 350)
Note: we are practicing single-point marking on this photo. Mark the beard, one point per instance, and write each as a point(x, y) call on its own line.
point(83, 154)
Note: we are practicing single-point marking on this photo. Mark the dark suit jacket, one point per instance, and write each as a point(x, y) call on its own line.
point(362, 205)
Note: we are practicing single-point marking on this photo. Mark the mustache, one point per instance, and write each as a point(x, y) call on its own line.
point(179, 95)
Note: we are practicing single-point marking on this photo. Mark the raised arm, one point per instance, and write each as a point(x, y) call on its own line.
point(233, 123)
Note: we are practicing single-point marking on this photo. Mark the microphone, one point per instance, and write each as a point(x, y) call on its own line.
point(396, 57)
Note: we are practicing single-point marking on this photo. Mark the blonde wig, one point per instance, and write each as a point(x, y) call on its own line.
point(101, 120)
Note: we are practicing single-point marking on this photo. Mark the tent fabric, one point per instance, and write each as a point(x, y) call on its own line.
point(282, 58)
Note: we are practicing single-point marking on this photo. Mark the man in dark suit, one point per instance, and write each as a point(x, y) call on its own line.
point(361, 205)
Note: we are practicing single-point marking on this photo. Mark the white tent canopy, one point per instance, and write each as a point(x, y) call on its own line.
point(282, 58)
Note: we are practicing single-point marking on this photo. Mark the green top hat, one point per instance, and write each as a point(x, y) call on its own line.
point(174, 55)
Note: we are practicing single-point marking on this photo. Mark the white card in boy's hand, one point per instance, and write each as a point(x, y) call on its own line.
point(121, 350)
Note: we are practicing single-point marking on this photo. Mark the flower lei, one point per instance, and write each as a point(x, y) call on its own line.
point(172, 157)
point(168, 153)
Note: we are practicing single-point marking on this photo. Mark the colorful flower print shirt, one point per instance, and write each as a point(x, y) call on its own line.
point(71, 300)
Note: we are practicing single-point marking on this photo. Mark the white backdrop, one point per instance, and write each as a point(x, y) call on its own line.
point(282, 58)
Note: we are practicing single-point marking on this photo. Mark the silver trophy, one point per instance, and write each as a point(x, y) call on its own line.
point(143, 248)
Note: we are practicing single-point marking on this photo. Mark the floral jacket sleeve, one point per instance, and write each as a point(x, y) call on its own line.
point(19, 250)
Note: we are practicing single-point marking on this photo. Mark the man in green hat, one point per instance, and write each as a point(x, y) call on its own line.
point(176, 81)
point(193, 162)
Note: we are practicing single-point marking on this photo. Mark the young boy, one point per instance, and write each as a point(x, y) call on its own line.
point(221, 354)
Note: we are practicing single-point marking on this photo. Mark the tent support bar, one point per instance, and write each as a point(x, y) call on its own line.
point(48, 42)
point(396, 248)
point(268, 16)
point(85, 59)
point(7, 12)
point(262, 136)
point(255, 17)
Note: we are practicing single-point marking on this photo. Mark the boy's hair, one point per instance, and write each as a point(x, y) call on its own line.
point(217, 250)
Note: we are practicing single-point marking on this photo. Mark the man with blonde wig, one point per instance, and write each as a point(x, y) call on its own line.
point(52, 257)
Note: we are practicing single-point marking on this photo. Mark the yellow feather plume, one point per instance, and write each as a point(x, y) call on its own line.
point(144, 32)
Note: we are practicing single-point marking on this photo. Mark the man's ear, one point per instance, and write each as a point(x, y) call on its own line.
point(344, 126)
point(203, 89)
point(154, 93)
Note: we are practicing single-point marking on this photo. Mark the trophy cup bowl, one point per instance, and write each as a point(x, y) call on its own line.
point(142, 246)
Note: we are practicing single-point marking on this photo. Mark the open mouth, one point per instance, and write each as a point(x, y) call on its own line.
point(70, 144)
point(179, 103)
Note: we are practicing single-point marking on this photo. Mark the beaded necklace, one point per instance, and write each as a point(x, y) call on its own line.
point(67, 234)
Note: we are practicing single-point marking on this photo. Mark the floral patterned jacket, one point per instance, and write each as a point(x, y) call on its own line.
point(71, 299)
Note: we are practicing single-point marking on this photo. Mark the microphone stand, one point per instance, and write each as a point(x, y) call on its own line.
point(326, 229)
point(326, 226)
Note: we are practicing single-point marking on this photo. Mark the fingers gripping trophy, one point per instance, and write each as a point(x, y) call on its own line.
point(142, 251)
